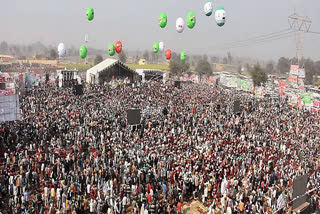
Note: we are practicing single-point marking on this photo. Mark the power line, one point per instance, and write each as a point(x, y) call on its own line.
point(260, 42)
point(313, 32)
point(259, 37)
point(255, 40)
point(264, 40)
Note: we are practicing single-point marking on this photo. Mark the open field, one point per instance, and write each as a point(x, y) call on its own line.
point(148, 66)
point(132, 66)
point(80, 67)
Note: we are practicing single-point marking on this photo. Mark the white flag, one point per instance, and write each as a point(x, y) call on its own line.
point(280, 202)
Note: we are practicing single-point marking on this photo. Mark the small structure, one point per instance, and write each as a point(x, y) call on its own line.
point(109, 69)
point(151, 75)
point(142, 62)
point(6, 58)
point(67, 78)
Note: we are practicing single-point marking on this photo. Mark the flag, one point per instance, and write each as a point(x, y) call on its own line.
point(281, 202)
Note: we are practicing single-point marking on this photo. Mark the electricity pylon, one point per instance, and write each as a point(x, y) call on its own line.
point(301, 25)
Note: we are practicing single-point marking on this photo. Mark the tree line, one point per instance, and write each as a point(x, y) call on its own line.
point(200, 64)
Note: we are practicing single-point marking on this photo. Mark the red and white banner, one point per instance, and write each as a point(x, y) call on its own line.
point(282, 86)
point(294, 69)
point(316, 106)
point(293, 78)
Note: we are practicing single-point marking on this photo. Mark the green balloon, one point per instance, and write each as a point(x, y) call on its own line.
point(111, 49)
point(163, 20)
point(83, 51)
point(191, 20)
point(90, 13)
point(156, 47)
point(183, 56)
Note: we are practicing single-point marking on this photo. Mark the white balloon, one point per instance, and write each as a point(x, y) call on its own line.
point(61, 50)
point(220, 16)
point(180, 25)
point(161, 46)
point(208, 8)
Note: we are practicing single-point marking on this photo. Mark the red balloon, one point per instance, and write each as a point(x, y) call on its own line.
point(118, 47)
point(168, 54)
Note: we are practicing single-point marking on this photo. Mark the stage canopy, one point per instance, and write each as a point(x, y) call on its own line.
point(109, 69)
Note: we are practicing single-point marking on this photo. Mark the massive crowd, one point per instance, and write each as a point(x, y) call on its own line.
point(77, 154)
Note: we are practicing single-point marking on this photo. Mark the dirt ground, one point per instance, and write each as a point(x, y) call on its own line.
point(195, 208)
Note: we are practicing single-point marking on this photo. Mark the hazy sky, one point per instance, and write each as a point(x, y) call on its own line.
point(135, 23)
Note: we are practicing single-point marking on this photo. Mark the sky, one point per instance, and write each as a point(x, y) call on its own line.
point(135, 23)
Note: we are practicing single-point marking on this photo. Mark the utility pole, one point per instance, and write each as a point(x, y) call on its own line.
point(301, 25)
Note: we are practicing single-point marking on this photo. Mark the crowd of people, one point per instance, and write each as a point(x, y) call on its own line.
point(78, 154)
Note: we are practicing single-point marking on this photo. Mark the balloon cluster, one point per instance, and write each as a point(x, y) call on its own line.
point(220, 18)
point(191, 21)
point(159, 46)
point(83, 49)
point(112, 49)
point(220, 14)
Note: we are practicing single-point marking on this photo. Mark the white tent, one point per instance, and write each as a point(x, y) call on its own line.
point(94, 72)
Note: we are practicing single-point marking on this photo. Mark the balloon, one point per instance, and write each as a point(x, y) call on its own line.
point(161, 46)
point(191, 20)
point(163, 20)
point(180, 25)
point(90, 13)
point(61, 50)
point(220, 16)
point(183, 56)
point(168, 54)
point(111, 49)
point(86, 38)
point(118, 47)
point(208, 8)
point(156, 47)
point(83, 51)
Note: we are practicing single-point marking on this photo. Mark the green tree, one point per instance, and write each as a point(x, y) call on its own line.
point(176, 66)
point(283, 65)
point(53, 54)
point(309, 66)
point(214, 59)
point(230, 59)
point(239, 69)
point(225, 60)
point(317, 68)
point(270, 68)
point(98, 59)
point(258, 75)
point(4, 47)
point(247, 67)
point(15, 50)
point(123, 57)
point(205, 57)
point(154, 58)
point(146, 55)
point(204, 68)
